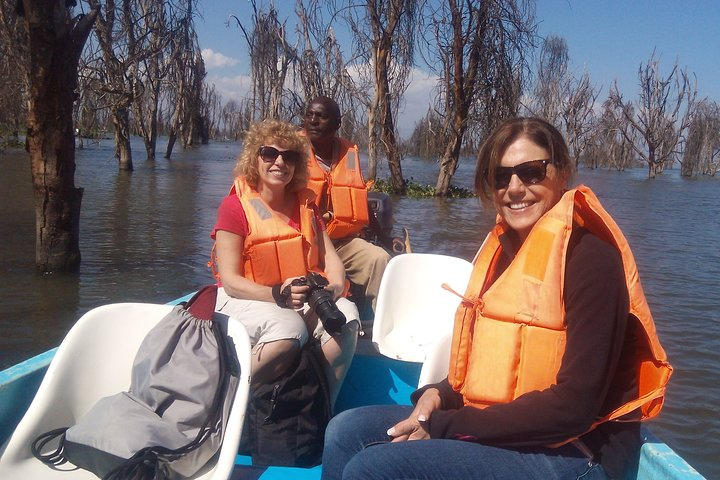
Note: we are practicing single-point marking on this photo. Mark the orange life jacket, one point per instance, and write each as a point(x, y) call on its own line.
point(509, 337)
point(273, 250)
point(346, 190)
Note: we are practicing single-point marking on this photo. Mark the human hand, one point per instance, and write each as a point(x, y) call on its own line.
point(296, 294)
point(335, 289)
point(415, 427)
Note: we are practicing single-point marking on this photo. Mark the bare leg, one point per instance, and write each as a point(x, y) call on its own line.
point(273, 359)
point(339, 351)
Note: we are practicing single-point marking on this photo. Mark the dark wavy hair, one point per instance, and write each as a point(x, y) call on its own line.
point(539, 131)
point(282, 134)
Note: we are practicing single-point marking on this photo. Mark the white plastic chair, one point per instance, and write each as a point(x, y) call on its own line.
point(94, 361)
point(413, 310)
point(437, 361)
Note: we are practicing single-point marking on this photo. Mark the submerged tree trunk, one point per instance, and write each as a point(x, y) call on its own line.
point(149, 122)
point(151, 143)
point(152, 134)
point(449, 161)
point(123, 152)
point(55, 44)
point(386, 124)
point(172, 137)
point(387, 135)
point(372, 142)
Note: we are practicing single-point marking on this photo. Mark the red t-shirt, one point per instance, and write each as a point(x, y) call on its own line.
point(231, 218)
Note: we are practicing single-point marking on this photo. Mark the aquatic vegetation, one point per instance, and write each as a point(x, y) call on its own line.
point(415, 189)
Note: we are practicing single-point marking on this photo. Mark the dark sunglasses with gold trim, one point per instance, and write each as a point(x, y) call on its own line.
point(270, 155)
point(529, 173)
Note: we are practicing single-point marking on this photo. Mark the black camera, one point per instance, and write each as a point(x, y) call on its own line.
point(321, 301)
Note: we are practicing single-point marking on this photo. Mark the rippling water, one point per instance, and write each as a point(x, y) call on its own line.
point(145, 237)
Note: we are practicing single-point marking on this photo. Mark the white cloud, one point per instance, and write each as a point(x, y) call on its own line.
point(217, 60)
point(416, 101)
point(231, 88)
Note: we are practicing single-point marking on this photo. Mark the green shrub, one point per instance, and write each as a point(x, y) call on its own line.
point(415, 189)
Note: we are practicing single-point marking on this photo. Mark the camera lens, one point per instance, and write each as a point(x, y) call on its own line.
point(331, 317)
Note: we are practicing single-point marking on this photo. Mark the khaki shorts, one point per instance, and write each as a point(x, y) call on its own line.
point(265, 322)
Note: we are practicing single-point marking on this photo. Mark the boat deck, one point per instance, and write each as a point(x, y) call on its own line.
point(392, 381)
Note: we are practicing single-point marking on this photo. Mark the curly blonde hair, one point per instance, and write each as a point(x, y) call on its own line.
point(276, 132)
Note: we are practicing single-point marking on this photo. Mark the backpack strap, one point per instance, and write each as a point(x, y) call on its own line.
point(55, 457)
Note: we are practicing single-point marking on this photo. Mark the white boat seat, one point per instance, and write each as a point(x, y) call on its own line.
point(436, 364)
point(413, 310)
point(94, 361)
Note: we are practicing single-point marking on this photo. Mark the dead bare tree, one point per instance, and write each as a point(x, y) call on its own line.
point(662, 113)
point(426, 140)
point(124, 31)
point(270, 58)
point(315, 35)
point(164, 21)
point(91, 118)
point(118, 45)
point(197, 130)
point(91, 114)
point(13, 73)
point(577, 115)
point(481, 49)
point(702, 149)
point(55, 41)
point(563, 99)
point(186, 70)
point(231, 119)
point(610, 147)
point(552, 78)
point(210, 112)
point(321, 68)
point(384, 38)
point(146, 103)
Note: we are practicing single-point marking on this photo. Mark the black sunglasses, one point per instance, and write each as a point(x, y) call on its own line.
point(270, 154)
point(531, 172)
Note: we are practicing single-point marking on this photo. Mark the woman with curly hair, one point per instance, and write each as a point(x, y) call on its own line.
point(269, 233)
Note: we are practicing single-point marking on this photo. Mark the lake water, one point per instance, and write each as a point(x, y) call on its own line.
point(145, 237)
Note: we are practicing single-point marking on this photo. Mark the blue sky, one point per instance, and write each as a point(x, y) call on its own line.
point(609, 39)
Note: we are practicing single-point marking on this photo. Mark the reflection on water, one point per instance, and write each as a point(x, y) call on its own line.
point(145, 237)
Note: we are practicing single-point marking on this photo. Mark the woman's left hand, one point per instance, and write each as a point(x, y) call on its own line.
point(335, 289)
point(415, 427)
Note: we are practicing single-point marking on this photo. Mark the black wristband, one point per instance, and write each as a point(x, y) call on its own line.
point(281, 298)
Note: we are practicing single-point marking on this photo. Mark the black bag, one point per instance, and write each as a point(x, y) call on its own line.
point(285, 420)
point(172, 419)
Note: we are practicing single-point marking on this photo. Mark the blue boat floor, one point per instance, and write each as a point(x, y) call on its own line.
point(391, 385)
point(245, 471)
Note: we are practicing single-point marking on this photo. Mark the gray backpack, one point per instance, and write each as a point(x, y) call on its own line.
point(171, 420)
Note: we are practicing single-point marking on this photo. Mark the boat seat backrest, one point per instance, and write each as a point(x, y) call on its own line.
point(94, 361)
point(437, 361)
point(413, 310)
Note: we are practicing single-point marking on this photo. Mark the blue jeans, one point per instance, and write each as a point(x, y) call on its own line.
point(357, 447)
